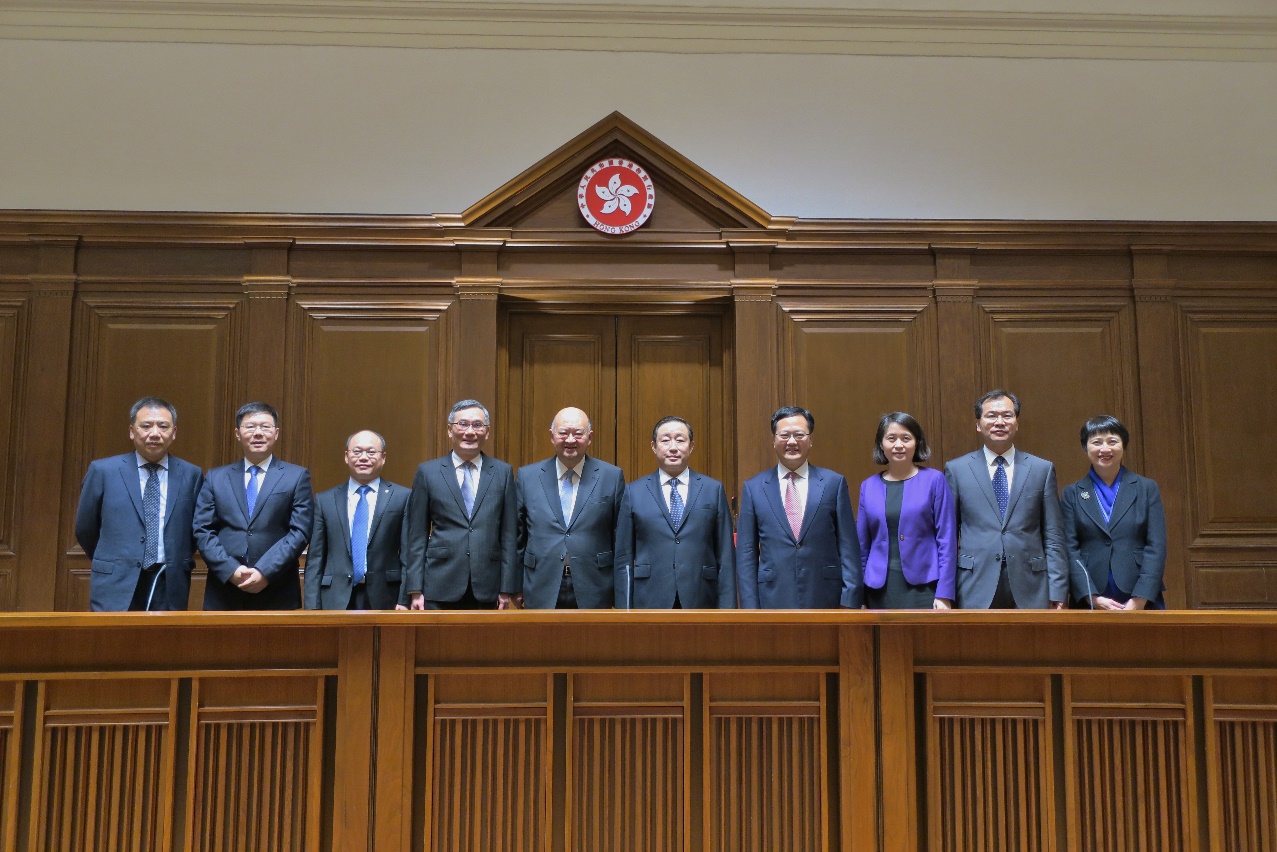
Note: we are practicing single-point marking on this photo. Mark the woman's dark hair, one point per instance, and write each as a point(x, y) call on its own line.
point(1104, 424)
point(921, 452)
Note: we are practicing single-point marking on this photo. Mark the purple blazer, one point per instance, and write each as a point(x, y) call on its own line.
point(928, 532)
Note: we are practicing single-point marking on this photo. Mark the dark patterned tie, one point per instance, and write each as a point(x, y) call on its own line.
point(1000, 489)
point(676, 504)
point(251, 492)
point(359, 536)
point(151, 515)
point(792, 511)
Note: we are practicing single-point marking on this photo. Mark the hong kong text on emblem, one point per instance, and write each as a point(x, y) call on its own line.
point(616, 196)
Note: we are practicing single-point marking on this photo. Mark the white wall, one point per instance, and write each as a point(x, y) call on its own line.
point(87, 125)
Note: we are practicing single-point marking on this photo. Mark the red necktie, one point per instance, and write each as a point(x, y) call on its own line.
point(792, 510)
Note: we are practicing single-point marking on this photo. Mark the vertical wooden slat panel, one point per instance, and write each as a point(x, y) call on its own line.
point(1247, 766)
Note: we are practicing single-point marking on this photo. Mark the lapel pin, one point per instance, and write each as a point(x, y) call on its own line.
point(1086, 495)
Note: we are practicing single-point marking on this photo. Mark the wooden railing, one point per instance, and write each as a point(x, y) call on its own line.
point(639, 731)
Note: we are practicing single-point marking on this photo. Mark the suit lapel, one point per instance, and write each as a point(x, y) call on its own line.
point(771, 487)
point(1125, 498)
point(383, 498)
point(1022, 467)
point(132, 482)
point(1091, 506)
point(449, 474)
point(654, 488)
point(980, 470)
point(176, 485)
point(236, 474)
point(550, 483)
point(694, 484)
point(270, 482)
point(485, 479)
point(815, 488)
point(341, 499)
point(584, 488)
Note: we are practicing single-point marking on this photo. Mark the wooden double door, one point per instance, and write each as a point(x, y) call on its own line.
point(626, 371)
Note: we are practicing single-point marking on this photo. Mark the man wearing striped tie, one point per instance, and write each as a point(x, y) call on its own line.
point(252, 521)
point(674, 535)
point(461, 523)
point(796, 545)
point(357, 551)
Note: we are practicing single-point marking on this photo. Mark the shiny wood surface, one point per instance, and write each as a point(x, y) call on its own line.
point(639, 730)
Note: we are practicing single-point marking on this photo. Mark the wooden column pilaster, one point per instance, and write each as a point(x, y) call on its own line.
point(476, 353)
point(955, 289)
point(262, 363)
point(757, 355)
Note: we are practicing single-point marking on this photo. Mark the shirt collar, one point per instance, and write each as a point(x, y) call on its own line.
point(683, 478)
point(141, 462)
point(458, 461)
point(264, 465)
point(352, 486)
point(803, 471)
point(990, 455)
point(561, 469)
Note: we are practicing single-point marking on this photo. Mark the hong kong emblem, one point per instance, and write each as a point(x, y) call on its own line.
point(616, 196)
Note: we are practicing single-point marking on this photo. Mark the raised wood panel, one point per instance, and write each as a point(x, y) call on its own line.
point(851, 361)
point(10, 762)
point(375, 364)
point(556, 361)
point(1241, 750)
point(1224, 583)
point(11, 326)
point(1067, 360)
point(185, 349)
point(1231, 355)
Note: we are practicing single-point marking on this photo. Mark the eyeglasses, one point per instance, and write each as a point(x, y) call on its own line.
point(792, 436)
point(359, 454)
point(250, 428)
point(995, 416)
point(466, 425)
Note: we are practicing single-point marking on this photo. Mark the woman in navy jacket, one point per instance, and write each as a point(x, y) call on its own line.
point(1114, 526)
point(907, 523)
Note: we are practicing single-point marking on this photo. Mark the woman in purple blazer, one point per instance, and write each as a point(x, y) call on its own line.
point(907, 523)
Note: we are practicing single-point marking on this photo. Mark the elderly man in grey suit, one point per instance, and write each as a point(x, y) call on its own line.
point(134, 518)
point(568, 506)
point(1011, 552)
point(461, 523)
point(358, 546)
point(253, 519)
point(674, 536)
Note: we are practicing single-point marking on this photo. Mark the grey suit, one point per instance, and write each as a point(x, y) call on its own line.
point(656, 561)
point(1030, 538)
point(448, 552)
point(329, 566)
point(271, 541)
point(585, 539)
point(110, 528)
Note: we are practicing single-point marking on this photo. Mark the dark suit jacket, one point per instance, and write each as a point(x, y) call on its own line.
point(654, 560)
point(545, 537)
point(448, 551)
point(1132, 544)
point(271, 541)
point(110, 528)
point(1031, 537)
point(329, 566)
point(821, 569)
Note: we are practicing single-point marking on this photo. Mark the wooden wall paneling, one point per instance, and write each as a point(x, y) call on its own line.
point(267, 288)
point(183, 347)
point(852, 359)
point(955, 287)
point(1230, 351)
point(257, 763)
point(43, 422)
point(10, 761)
point(1067, 360)
point(674, 365)
point(475, 329)
point(1133, 778)
point(393, 747)
point(1241, 749)
point(489, 775)
point(858, 763)
point(12, 316)
point(757, 353)
point(766, 762)
point(555, 361)
point(372, 363)
point(990, 772)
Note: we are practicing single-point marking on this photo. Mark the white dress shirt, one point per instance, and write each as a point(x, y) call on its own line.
point(458, 463)
point(989, 460)
point(576, 482)
point(800, 482)
point(684, 479)
point(352, 500)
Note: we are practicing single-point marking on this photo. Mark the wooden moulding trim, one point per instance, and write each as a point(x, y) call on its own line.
point(1172, 712)
point(231, 715)
point(988, 709)
point(491, 711)
point(677, 667)
point(160, 674)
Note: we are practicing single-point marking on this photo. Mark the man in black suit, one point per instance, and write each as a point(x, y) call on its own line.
point(674, 535)
point(358, 546)
point(461, 522)
point(253, 519)
point(567, 508)
point(134, 518)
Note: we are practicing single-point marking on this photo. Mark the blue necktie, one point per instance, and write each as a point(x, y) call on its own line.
point(359, 535)
point(151, 515)
point(1000, 489)
point(565, 495)
point(467, 487)
point(676, 504)
point(251, 492)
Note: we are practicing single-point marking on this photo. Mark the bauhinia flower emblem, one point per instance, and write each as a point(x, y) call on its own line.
point(616, 194)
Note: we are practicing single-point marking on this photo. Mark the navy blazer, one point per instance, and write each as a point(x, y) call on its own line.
point(546, 537)
point(110, 528)
point(448, 551)
point(1132, 544)
point(655, 560)
point(818, 570)
point(330, 569)
point(271, 541)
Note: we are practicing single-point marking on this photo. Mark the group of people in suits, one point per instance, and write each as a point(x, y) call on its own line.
point(568, 532)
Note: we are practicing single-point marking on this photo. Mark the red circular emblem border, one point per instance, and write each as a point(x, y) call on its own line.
point(642, 209)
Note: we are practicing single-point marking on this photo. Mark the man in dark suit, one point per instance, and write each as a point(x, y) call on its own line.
point(358, 547)
point(1011, 552)
point(674, 534)
point(134, 518)
point(567, 508)
point(253, 519)
point(796, 545)
point(461, 522)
